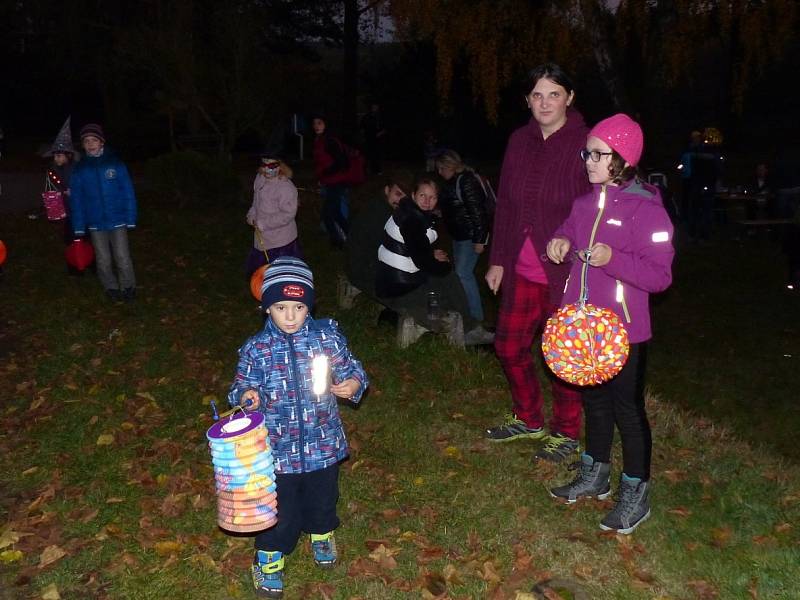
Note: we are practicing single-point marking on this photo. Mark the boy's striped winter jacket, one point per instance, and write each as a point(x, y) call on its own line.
point(305, 431)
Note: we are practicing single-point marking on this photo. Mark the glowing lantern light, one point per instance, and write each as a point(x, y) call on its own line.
point(584, 344)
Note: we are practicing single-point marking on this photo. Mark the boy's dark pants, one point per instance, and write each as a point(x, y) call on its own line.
point(620, 402)
point(306, 503)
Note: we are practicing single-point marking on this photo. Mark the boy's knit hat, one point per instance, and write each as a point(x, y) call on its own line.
point(623, 134)
point(63, 141)
point(287, 279)
point(94, 130)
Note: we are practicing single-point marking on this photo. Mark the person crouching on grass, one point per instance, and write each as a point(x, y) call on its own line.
point(621, 230)
point(305, 430)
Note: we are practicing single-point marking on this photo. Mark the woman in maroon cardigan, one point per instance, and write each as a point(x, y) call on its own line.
point(542, 174)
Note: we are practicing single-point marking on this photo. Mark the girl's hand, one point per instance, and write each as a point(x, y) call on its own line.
point(440, 255)
point(251, 395)
point(346, 389)
point(601, 254)
point(557, 249)
point(494, 276)
point(479, 248)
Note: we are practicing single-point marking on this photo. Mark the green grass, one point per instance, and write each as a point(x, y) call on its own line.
point(136, 519)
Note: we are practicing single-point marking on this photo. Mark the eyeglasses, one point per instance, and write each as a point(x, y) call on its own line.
point(593, 154)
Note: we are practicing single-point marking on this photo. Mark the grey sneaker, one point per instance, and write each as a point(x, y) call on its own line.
point(557, 448)
point(631, 509)
point(514, 429)
point(478, 336)
point(592, 481)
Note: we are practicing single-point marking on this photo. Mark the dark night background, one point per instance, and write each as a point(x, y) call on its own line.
point(157, 73)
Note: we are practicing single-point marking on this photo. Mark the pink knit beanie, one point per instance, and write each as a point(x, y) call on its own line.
point(623, 134)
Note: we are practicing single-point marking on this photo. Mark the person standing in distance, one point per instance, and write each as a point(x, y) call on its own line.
point(103, 203)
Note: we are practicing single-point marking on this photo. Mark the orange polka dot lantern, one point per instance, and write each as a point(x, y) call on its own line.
point(584, 344)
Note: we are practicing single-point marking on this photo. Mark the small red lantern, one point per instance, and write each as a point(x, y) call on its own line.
point(3, 252)
point(256, 279)
point(80, 254)
point(584, 344)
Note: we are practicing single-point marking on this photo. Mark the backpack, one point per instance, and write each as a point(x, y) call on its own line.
point(490, 198)
point(356, 172)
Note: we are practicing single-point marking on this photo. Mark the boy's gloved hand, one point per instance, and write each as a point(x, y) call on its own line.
point(249, 399)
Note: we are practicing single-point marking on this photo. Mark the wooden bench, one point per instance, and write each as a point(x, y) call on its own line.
point(451, 324)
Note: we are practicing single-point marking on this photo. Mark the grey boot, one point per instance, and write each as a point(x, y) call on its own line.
point(592, 481)
point(632, 508)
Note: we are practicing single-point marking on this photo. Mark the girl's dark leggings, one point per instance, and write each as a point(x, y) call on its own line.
point(620, 403)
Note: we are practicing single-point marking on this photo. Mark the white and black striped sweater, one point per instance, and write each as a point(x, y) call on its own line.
point(405, 257)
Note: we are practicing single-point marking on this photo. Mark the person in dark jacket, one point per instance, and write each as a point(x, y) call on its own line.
point(374, 134)
point(463, 203)
point(59, 173)
point(366, 231)
point(409, 266)
point(542, 174)
point(102, 201)
point(330, 166)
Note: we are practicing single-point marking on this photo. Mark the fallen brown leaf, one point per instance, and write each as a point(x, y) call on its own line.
point(702, 589)
point(680, 511)
point(50, 555)
point(721, 536)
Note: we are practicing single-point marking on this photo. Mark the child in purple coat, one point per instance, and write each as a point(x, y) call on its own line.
point(622, 231)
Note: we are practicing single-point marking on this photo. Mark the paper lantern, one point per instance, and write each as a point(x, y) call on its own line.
point(256, 279)
point(244, 473)
point(79, 254)
point(585, 344)
point(3, 252)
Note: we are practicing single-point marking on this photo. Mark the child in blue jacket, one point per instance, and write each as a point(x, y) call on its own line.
point(102, 201)
point(275, 377)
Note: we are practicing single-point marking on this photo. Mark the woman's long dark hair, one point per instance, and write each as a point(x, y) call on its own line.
point(550, 71)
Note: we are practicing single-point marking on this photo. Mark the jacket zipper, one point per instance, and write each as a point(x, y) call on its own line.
point(584, 271)
point(621, 300)
point(298, 403)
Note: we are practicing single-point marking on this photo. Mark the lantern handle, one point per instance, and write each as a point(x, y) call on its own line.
point(261, 243)
point(584, 296)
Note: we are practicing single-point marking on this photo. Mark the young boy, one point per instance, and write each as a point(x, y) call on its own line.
point(102, 201)
point(275, 376)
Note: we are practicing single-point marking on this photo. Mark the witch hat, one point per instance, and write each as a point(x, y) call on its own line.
point(63, 141)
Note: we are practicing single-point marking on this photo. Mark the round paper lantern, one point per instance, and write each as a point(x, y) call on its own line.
point(3, 252)
point(585, 344)
point(79, 254)
point(256, 279)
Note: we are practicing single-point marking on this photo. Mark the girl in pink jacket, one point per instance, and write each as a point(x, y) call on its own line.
point(621, 230)
point(272, 215)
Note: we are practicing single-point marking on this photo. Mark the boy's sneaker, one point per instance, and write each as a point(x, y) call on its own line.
point(514, 429)
point(267, 571)
point(129, 294)
point(323, 545)
point(632, 508)
point(592, 481)
point(557, 448)
point(114, 295)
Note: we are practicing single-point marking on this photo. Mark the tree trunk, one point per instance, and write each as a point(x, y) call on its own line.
point(350, 69)
point(595, 23)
